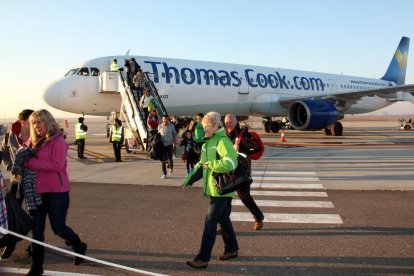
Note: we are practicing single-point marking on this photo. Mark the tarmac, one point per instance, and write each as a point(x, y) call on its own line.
point(332, 205)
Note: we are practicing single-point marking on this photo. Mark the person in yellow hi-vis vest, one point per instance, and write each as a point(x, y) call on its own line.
point(117, 138)
point(114, 66)
point(80, 130)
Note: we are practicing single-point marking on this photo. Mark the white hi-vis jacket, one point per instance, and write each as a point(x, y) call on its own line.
point(80, 133)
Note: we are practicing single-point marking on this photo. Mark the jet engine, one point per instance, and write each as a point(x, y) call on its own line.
point(313, 114)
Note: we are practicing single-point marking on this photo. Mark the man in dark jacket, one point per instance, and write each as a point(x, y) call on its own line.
point(235, 133)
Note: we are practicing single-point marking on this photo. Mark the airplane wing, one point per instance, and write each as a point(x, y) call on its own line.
point(345, 100)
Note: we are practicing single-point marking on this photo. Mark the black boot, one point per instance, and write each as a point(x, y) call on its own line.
point(79, 248)
point(36, 269)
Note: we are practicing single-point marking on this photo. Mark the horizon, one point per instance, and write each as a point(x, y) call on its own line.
point(279, 34)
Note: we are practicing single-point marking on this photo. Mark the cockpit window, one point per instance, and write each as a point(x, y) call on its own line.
point(94, 71)
point(71, 72)
point(84, 71)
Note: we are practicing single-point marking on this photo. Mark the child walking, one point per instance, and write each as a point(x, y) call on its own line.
point(191, 151)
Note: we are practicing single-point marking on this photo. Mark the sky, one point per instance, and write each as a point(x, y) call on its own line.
point(42, 40)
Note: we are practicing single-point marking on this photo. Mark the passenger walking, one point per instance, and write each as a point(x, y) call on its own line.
point(18, 136)
point(168, 137)
point(81, 131)
point(114, 66)
point(117, 138)
point(131, 69)
point(191, 151)
point(137, 82)
point(53, 185)
point(198, 130)
point(236, 133)
point(174, 122)
point(217, 155)
point(3, 211)
point(152, 122)
point(145, 101)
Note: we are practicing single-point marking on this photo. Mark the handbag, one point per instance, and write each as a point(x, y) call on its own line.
point(236, 179)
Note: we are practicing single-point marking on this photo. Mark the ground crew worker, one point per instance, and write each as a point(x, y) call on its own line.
point(114, 66)
point(117, 137)
point(80, 131)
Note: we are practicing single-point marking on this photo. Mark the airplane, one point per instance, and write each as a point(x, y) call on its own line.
point(311, 100)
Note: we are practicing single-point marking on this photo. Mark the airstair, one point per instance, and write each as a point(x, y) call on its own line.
point(136, 131)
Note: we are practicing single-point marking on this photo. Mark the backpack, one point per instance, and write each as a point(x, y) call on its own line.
point(251, 141)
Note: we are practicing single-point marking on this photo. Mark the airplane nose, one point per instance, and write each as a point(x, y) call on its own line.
point(52, 95)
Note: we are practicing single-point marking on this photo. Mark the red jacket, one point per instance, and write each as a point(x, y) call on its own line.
point(50, 165)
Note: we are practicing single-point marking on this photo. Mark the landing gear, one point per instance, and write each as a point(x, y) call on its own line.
point(270, 126)
point(336, 129)
point(274, 127)
point(266, 124)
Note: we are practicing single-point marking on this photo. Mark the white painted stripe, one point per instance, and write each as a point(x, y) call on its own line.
point(284, 203)
point(284, 193)
point(289, 218)
point(285, 178)
point(47, 272)
point(5, 231)
point(258, 172)
point(286, 186)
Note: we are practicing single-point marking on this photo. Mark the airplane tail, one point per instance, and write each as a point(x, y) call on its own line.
point(396, 70)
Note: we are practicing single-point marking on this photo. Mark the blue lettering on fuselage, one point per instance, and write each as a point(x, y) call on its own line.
point(202, 76)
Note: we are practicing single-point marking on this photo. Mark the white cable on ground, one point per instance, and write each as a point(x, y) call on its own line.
point(5, 231)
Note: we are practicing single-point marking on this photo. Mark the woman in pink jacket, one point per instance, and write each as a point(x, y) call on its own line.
point(52, 184)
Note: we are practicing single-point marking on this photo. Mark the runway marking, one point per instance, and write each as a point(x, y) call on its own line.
point(284, 203)
point(284, 193)
point(290, 218)
point(256, 172)
point(286, 186)
point(285, 178)
point(47, 272)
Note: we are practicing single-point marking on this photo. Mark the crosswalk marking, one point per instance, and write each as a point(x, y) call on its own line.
point(285, 178)
point(257, 172)
point(284, 203)
point(272, 183)
point(290, 218)
point(286, 186)
point(285, 193)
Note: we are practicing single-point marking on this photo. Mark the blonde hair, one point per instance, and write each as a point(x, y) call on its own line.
point(212, 118)
point(52, 127)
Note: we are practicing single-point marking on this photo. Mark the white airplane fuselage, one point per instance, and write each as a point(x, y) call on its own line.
point(188, 87)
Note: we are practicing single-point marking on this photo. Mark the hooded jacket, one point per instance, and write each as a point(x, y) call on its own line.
point(218, 146)
point(50, 165)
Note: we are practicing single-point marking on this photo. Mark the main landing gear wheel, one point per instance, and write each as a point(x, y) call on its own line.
point(327, 131)
point(274, 127)
point(266, 125)
point(337, 129)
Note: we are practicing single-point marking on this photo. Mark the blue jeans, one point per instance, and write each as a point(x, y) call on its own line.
point(217, 212)
point(56, 206)
point(167, 156)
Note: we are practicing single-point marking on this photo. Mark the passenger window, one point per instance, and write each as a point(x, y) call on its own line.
point(94, 71)
point(84, 71)
point(163, 75)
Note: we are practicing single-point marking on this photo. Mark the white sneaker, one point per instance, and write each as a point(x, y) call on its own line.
point(171, 171)
point(163, 176)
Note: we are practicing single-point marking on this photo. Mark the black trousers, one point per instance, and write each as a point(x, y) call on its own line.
point(117, 149)
point(248, 201)
point(81, 147)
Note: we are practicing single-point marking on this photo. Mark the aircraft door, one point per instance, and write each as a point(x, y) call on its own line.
point(332, 86)
point(243, 88)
